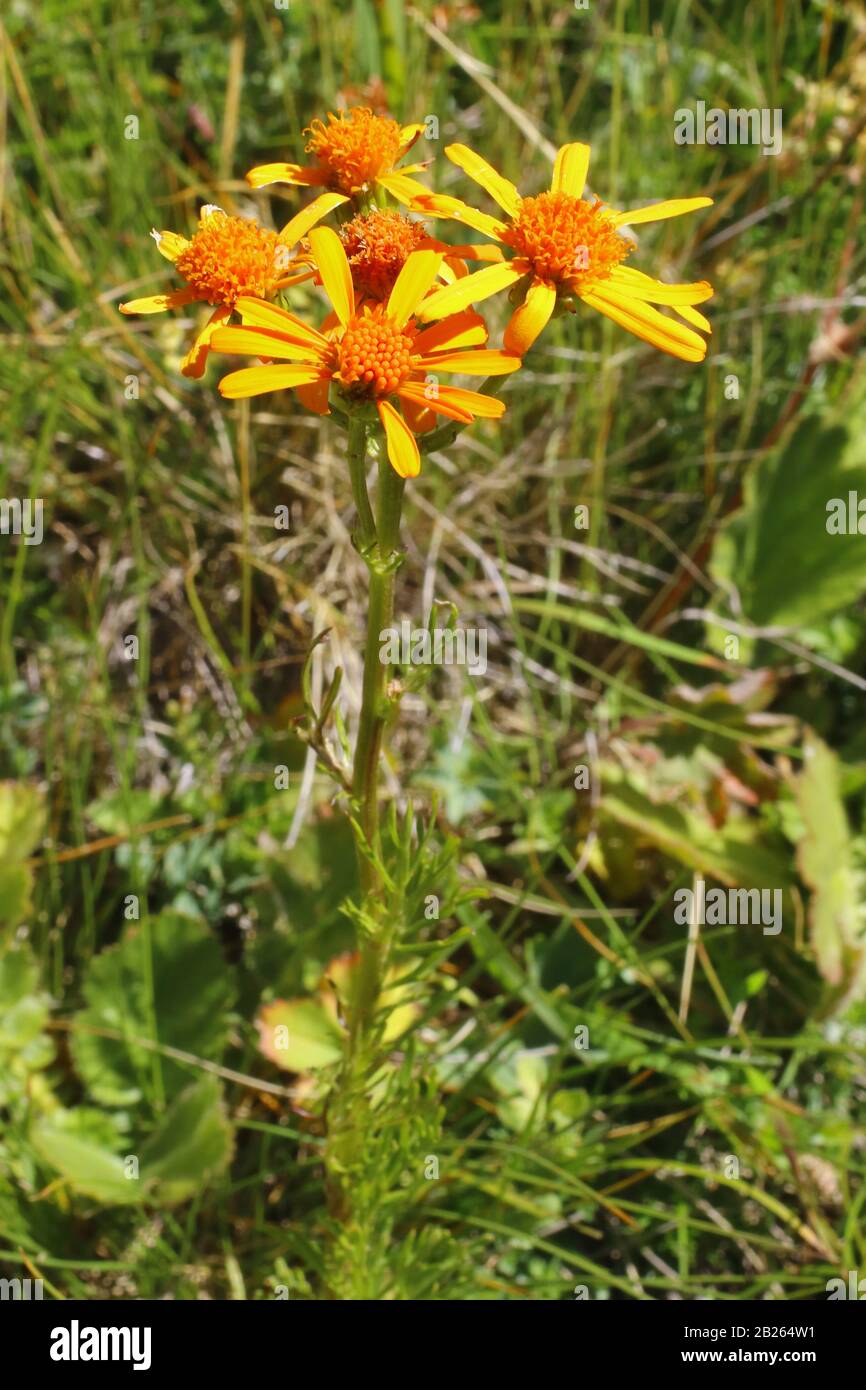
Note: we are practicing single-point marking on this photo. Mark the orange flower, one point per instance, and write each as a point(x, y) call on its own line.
point(566, 248)
point(226, 258)
point(376, 356)
point(355, 154)
point(378, 244)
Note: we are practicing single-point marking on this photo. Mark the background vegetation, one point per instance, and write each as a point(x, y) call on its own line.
point(158, 891)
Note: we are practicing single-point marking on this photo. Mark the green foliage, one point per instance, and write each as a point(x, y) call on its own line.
point(191, 1144)
point(300, 1035)
point(165, 981)
point(834, 872)
point(21, 819)
point(495, 1156)
point(787, 513)
point(24, 1010)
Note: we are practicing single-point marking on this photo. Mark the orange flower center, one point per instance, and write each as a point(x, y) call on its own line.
point(374, 355)
point(377, 246)
point(355, 147)
point(566, 240)
point(228, 257)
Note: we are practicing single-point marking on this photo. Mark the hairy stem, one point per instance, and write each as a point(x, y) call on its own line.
point(349, 1103)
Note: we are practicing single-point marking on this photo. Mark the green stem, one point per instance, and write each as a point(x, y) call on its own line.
point(357, 453)
point(380, 615)
point(246, 571)
point(349, 1103)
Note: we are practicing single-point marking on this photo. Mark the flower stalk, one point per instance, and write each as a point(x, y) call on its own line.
point(349, 1106)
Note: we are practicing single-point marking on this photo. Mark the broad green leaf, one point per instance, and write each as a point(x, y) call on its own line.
point(299, 1034)
point(78, 1144)
point(826, 863)
point(21, 820)
point(24, 1045)
point(193, 1142)
point(192, 993)
point(776, 551)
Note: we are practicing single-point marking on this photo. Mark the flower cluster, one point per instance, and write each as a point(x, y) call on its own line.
point(402, 302)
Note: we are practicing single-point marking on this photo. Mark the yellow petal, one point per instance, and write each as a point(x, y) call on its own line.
point(529, 319)
point(501, 190)
point(476, 251)
point(454, 401)
point(692, 316)
point(457, 331)
point(411, 285)
point(639, 286)
point(431, 397)
point(196, 359)
point(647, 323)
point(263, 174)
point(257, 381)
point(404, 189)
point(402, 444)
point(261, 342)
point(440, 205)
point(260, 314)
point(287, 281)
point(486, 407)
point(469, 290)
point(479, 362)
point(158, 303)
point(452, 269)
point(333, 267)
point(169, 244)
point(309, 216)
point(674, 207)
point(570, 170)
point(408, 135)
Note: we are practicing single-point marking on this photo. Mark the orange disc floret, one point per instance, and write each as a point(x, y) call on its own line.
point(354, 147)
point(566, 240)
point(375, 356)
point(377, 246)
point(229, 257)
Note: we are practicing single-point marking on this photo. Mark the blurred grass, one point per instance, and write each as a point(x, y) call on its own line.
point(159, 523)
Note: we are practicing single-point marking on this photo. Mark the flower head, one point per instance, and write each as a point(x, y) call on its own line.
point(563, 240)
point(354, 149)
point(379, 243)
point(355, 153)
point(567, 247)
point(377, 356)
point(226, 258)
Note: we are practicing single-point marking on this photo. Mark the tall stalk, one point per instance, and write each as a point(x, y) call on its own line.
point(349, 1103)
